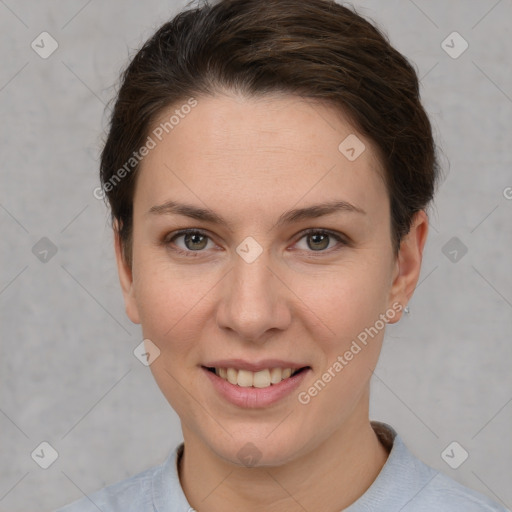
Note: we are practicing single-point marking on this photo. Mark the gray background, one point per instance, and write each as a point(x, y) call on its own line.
point(68, 374)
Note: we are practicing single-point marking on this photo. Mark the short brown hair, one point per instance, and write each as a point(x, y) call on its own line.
point(317, 49)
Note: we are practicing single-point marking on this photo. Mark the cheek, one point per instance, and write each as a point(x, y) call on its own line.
point(349, 352)
point(171, 303)
point(172, 309)
point(347, 299)
point(345, 310)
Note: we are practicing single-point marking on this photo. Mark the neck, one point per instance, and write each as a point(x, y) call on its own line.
point(331, 477)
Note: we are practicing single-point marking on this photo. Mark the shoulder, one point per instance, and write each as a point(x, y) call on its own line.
point(444, 494)
point(156, 488)
point(406, 483)
point(132, 494)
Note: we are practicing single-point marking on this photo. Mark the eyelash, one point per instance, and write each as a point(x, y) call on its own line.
point(194, 254)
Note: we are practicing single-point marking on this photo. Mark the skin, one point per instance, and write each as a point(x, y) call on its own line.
point(250, 160)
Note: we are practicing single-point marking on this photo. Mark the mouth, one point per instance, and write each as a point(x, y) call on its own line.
point(270, 383)
point(261, 379)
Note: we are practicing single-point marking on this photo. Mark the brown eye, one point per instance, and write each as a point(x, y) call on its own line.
point(194, 241)
point(320, 241)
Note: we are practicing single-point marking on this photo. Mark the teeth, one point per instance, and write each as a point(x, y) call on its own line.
point(276, 375)
point(232, 375)
point(261, 379)
point(244, 378)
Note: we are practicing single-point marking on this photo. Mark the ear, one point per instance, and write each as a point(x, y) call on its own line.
point(408, 263)
point(125, 278)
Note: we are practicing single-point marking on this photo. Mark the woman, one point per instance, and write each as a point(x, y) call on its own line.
point(268, 167)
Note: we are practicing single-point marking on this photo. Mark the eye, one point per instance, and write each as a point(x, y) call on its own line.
point(194, 241)
point(318, 240)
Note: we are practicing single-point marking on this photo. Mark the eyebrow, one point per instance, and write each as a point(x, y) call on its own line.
point(295, 215)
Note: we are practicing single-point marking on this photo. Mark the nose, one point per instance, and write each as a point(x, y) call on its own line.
point(255, 300)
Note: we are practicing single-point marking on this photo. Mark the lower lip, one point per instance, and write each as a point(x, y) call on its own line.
point(250, 397)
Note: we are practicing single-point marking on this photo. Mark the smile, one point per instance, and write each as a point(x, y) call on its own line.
point(260, 379)
point(259, 389)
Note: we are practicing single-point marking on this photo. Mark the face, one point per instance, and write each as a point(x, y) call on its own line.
point(264, 280)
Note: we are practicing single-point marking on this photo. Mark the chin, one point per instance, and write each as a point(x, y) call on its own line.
point(257, 451)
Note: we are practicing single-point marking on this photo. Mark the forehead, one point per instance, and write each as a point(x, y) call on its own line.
point(255, 149)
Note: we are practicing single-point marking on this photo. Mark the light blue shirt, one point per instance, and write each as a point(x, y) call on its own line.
point(404, 484)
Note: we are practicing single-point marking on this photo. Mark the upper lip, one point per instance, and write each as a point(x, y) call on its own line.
point(253, 366)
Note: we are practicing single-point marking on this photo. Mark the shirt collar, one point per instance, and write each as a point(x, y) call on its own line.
point(168, 495)
point(400, 478)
